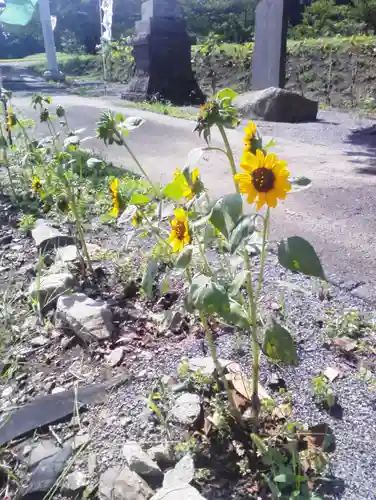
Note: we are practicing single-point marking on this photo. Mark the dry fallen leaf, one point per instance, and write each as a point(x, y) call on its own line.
point(346, 344)
point(244, 386)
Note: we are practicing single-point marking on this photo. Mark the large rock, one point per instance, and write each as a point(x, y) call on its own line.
point(277, 105)
point(187, 409)
point(47, 237)
point(129, 486)
point(183, 492)
point(139, 461)
point(206, 365)
point(49, 288)
point(88, 318)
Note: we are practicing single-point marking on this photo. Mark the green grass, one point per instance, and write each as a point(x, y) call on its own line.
point(163, 109)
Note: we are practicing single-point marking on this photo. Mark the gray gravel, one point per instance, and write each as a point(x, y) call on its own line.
point(334, 128)
point(352, 463)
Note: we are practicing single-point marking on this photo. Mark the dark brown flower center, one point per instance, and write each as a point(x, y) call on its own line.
point(180, 230)
point(263, 179)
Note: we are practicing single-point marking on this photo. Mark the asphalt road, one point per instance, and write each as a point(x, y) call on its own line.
point(337, 214)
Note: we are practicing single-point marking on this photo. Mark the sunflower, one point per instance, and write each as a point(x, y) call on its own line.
point(265, 178)
point(36, 185)
point(251, 138)
point(114, 188)
point(179, 236)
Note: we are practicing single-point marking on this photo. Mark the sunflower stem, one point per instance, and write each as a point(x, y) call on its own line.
point(263, 253)
point(78, 223)
point(140, 167)
point(255, 402)
point(229, 154)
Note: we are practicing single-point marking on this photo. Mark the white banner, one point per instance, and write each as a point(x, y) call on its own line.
point(107, 12)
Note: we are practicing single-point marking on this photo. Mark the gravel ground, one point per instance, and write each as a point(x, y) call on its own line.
point(334, 128)
point(125, 416)
point(352, 463)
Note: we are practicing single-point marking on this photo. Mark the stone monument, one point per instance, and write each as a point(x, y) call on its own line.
point(269, 54)
point(162, 52)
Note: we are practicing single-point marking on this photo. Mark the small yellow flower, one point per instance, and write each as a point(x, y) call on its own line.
point(136, 219)
point(114, 188)
point(179, 236)
point(250, 135)
point(36, 185)
point(10, 119)
point(265, 178)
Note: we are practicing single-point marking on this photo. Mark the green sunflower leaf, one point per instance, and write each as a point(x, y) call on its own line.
point(139, 199)
point(243, 229)
point(279, 344)
point(226, 213)
point(176, 189)
point(299, 256)
point(226, 94)
point(149, 277)
point(184, 258)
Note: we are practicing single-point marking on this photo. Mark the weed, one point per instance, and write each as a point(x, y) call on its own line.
point(27, 223)
point(322, 391)
point(351, 323)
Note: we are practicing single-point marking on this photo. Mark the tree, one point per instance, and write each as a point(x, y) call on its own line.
point(325, 18)
point(365, 12)
point(233, 19)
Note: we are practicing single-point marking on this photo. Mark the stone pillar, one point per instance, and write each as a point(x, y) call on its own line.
point(52, 72)
point(162, 52)
point(269, 54)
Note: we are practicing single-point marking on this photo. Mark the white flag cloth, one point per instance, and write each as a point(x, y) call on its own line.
point(53, 22)
point(107, 11)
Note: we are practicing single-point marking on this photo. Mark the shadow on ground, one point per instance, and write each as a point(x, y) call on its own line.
point(365, 158)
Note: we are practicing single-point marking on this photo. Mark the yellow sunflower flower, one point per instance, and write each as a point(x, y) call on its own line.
point(114, 188)
point(265, 178)
point(250, 136)
point(179, 236)
point(36, 185)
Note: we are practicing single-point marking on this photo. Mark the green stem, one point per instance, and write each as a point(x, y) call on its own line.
point(263, 253)
point(153, 229)
point(79, 226)
point(140, 167)
point(229, 154)
point(255, 346)
point(203, 255)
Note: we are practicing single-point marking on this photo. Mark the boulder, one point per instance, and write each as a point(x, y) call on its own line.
point(88, 318)
point(47, 237)
point(49, 288)
point(277, 105)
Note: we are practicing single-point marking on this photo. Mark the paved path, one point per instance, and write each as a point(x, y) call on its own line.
point(337, 215)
